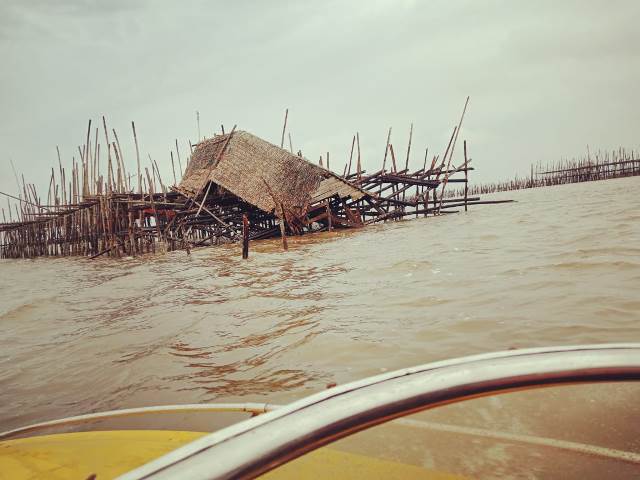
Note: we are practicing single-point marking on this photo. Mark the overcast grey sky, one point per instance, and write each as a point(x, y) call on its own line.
point(545, 78)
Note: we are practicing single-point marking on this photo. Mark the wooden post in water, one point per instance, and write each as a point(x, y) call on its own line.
point(283, 233)
point(161, 238)
point(531, 183)
point(466, 176)
point(245, 236)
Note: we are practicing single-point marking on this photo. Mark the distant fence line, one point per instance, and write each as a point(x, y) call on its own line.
point(615, 164)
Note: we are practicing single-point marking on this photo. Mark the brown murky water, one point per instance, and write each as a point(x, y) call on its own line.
point(560, 266)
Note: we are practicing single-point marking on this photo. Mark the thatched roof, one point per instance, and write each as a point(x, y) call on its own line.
point(260, 172)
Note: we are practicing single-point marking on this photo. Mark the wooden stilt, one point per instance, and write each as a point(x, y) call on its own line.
point(245, 236)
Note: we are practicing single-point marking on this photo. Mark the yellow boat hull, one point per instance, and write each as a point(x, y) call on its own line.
point(108, 454)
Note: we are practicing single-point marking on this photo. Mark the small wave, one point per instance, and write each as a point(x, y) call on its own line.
point(21, 311)
point(585, 265)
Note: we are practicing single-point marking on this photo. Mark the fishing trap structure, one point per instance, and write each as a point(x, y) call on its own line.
point(236, 187)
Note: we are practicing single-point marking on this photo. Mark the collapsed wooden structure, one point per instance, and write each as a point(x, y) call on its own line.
point(228, 178)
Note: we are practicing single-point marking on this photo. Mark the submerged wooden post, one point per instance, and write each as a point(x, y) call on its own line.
point(245, 236)
point(283, 233)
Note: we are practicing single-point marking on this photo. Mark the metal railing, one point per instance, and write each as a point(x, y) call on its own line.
point(252, 408)
point(257, 445)
point(282, 433)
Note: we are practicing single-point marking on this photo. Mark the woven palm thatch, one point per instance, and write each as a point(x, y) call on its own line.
point(260, 173)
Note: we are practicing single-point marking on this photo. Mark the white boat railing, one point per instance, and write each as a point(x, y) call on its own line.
point(252, 408)
point(282, 433)
point(252, 447)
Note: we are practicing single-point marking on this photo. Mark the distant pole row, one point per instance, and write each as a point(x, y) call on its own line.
point(601, 166)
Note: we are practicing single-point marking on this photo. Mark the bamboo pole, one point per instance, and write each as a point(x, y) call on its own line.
point(386, 150)
point(284, 127)
point(109, 166)
point(406, 164)
point(466, 177)
point(353, 142)
point(179, 161)
point(161, 237)
point(245, 236)
point(359, 163)
point(179, 167)
point(283, 232)
point(173, 169)
point(198, 121)
point(135, 139)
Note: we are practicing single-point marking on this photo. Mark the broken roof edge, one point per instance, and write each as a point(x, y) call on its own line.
point(256, 162)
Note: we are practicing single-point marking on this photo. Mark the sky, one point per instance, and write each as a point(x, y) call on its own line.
point(545, 78)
